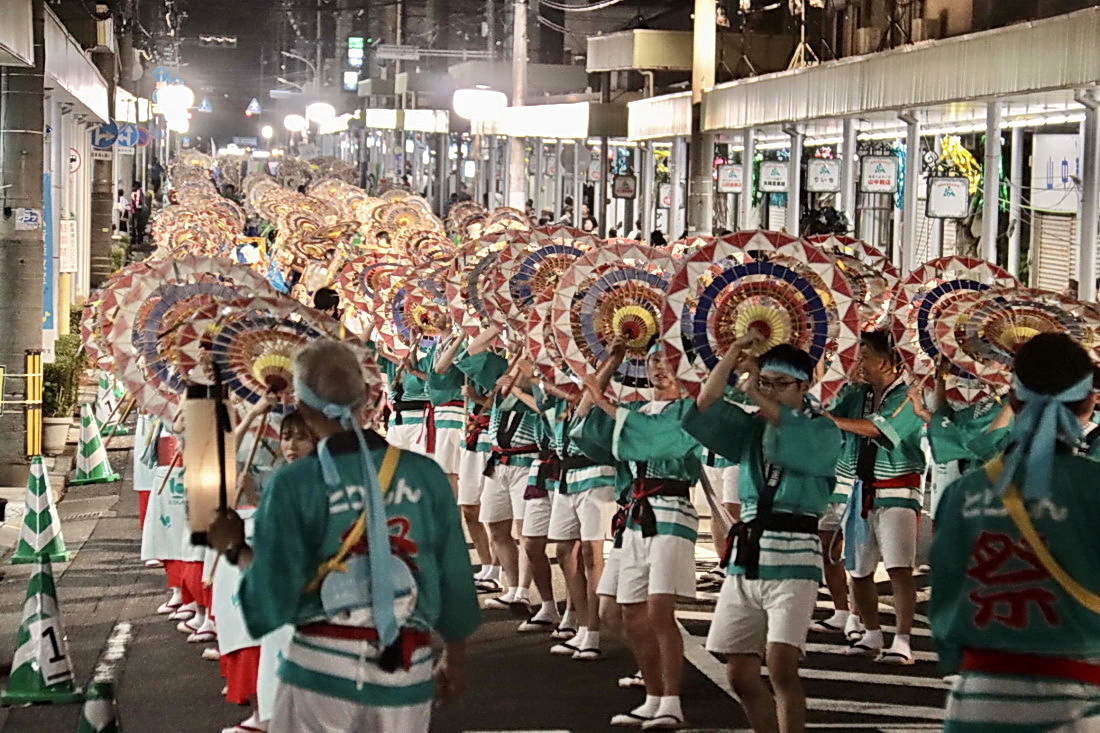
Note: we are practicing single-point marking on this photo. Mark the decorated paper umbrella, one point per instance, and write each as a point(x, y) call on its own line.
point(981, 331)
point(543, 347)
point(924, 294)
point(418, 306)
point(870, 272)
point(756, 242)
point(94, 346)
point(362, 280)
point(684, 247)
point(532, 262)
point(466, 283)
point(255, 344)
point(718, 295)
point(616, 291)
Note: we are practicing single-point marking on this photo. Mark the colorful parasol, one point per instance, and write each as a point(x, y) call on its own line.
point(616, 291)
point(870, 273)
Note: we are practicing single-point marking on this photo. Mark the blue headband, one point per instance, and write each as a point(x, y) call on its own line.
point(657, 348)
point(378, 539)
point(790, 371)
point(1043, 420)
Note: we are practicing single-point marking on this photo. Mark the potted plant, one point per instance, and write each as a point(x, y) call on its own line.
point(60, 393)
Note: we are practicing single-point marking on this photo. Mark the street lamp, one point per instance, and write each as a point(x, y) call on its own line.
point(295, 123)
point(267, 132)
point(479, 103)
point(320, 112)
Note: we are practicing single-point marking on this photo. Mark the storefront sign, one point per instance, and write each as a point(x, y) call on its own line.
point(823, 176)
point(773, 176)
point(729, 178)
point(878, 174)
point(624, 187)
point(664, 195)
point(28, 220)
point(948, 198)
point(67, 246)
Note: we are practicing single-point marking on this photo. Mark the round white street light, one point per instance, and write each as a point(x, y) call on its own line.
point(266, 132)
point(295, 123)
point(320, 112)
point(179, 124)
point(175, 99)
point(479, 103)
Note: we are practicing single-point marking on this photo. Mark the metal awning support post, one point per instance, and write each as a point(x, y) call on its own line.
point(749, 217)
point(494, 169)
point(540, 176)
point(912, 182)
point(1090, 190)
point(581, 159)
point(677, 168)
point(559, 182)
point(1015, 181)
point(647, 197)
point(935, 237)
point(794, 182)
point(991, 182)
point(848, 163)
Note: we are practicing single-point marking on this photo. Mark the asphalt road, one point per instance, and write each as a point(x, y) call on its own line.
point(514, 683)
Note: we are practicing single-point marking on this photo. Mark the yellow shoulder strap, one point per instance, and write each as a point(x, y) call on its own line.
point(1014, 503)
point(358, 527)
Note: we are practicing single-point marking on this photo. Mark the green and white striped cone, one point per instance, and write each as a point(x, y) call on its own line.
point(104, 402)
point(41, 670)
point(99, 714)
point(41, 532)
point(92, 464)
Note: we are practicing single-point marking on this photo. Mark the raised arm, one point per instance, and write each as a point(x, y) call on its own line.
point(715, 386)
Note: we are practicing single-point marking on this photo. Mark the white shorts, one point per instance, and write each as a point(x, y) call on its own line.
point(724, 482)
point(584, 516)
point(449, 447)
point(754, 613)
point(502, 495)
point(831, 520)
point(409, 436)
point(470, 477)
point(536, 517)
point(645, 566)
point(891, 538)
point(305, 711)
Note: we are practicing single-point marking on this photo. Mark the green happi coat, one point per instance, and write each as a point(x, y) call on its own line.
point(299, 524)
point(991, 593)
point(484, 370)
point(556, 426)
point(806, 447)
point(899, 451)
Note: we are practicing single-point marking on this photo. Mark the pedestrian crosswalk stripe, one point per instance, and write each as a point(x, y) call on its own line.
point(867, 678)
point(843, 651)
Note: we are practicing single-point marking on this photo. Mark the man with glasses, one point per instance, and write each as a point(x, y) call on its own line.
point(883, 462)
point(787, 453)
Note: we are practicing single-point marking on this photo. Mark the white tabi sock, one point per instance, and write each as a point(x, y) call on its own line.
point(649, 708)
point(839, 618)
point(901, 644)
point(670, 705)
point(569, 620)
point(591, 640)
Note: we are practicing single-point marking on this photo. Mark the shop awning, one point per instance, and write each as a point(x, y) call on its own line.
point(16, 33)
point(659, 118)
point(74, 74)
point(1027, 59)
point(580, 120)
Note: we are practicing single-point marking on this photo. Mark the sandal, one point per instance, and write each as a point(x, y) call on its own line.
point(629, 720)
point(859, 649)
point(590, 654)
point(634, 680)
point(563, 633)
point(823, 626)
point(488, 585)
point(537, 624)
point(895, 658)
point(663, 722)
point(564, 648)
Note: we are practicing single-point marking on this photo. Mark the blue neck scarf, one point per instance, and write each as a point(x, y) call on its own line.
point(378, 541)
point(1043, 420)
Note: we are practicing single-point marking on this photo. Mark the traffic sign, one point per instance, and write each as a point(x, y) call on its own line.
point(104, 136)
point(253, 108)
point(74, 160)
point(204, 106)
point(127, 136)
point(143, 137)
point(161, 74)
point(394, 52)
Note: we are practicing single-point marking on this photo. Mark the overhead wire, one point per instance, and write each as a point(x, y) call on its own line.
point(579, 8)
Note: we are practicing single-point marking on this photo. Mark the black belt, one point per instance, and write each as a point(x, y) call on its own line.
point(504, 456)
point(748, 534)
point(407, 406)
point(640, 510)
point(567, 464)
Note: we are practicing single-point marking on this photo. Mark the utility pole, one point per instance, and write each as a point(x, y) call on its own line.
point(517, 163)
point(22, 121)
point(700, 210)
point(491, 28)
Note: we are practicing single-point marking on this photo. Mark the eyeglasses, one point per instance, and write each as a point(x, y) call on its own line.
point(776, 384)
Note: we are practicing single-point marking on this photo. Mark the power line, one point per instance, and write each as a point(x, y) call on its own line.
point(579, 8)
